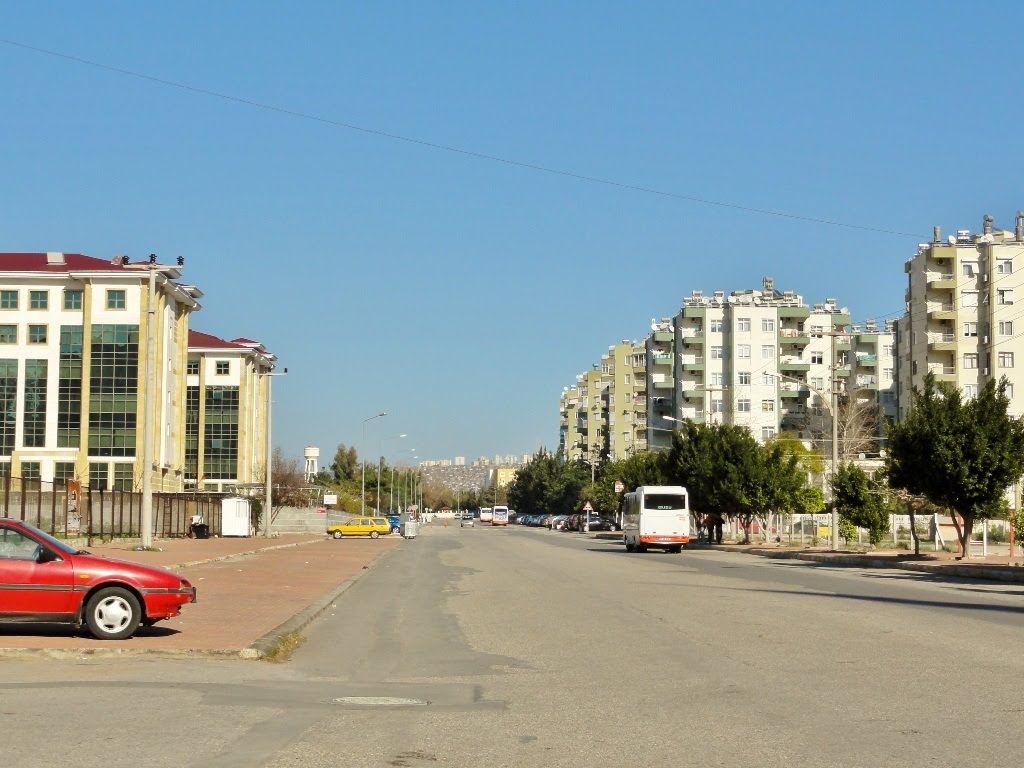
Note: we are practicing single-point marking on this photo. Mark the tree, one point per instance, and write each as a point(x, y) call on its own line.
point(861, 500)
point(346, 464)
point(962, 456)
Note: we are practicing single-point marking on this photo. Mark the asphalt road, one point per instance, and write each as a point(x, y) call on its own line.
point(523, 647)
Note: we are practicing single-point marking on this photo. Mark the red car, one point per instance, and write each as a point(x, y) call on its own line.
point(43, 579)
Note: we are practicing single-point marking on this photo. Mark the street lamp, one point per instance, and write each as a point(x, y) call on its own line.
point(362, 450)
point(391, 503)
point(268, 512)
point(380, 463)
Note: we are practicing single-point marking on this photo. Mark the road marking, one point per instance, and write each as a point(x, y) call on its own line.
point(379, 701)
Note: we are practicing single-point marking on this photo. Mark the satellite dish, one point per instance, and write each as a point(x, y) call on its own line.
point(951, 240)
point(654, 324)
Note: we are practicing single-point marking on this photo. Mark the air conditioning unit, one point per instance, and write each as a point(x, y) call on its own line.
point(984, 371)
point(984, 278)
point(984, 339)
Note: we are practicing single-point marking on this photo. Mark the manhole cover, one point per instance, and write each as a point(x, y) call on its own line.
point(379, 701)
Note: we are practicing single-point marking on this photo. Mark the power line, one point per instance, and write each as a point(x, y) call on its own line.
point(454, 149)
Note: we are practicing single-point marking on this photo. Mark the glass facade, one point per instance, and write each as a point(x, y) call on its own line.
point(8, 405)
point(113, 390)
point(34, 422)
point(124, 476)
point(69, 388)
point(220, 434)
point(192, 434)
point(98, 477)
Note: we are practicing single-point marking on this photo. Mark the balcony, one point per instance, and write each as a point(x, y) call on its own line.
point(789, 391)
point(664, 384)
point(793, 364)
point(793, 420)
point(691, 393)
point(867, 381)
point(693, 337)
point(942, 342)
point(794, 336)
point(691, 363)
point(942, 281)
point(943, 372)
point(662, 358)
point(941, 310)
point(866, 360)
point(663, 336)
point(799, 312)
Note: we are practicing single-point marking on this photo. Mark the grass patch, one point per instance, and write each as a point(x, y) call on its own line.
point(285, 647)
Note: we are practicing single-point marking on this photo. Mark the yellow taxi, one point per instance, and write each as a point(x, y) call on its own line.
point(374, 527)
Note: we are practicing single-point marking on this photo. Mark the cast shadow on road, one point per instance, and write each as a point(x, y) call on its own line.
point(1011, 609)
point(966, 583)
point(33, 629)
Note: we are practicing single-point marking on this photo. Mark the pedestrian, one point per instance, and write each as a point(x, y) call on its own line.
point(701, 527)
point(715, 528)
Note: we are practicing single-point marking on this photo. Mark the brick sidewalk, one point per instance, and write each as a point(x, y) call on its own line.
point(247, 588)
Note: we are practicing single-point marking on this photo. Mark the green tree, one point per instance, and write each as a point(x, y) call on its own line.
point(961, 456)
point(861, 501)
point(346, 464)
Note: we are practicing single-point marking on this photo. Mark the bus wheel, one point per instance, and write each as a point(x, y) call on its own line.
point(676, 550)
point(630, 547)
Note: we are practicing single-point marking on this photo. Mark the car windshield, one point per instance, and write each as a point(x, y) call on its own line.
point(54, 543)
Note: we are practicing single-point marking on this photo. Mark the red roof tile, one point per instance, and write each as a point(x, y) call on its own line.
point(209, 341)
point(73, 262)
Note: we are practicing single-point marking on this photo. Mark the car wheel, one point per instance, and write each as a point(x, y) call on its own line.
point(336, 534)
point(113, 613)
point(374, 535)
point(630, 547)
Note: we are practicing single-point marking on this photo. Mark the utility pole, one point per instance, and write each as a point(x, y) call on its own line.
point(835, 443)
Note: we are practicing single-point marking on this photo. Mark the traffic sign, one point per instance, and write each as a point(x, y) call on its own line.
point(619, 486)
point(587, 507)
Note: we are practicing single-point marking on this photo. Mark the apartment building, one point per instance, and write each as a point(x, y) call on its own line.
point(765, 360)
point(73, 368)
point(225, 412)
point(961, 321)
point(624, 399)
point(583, 417)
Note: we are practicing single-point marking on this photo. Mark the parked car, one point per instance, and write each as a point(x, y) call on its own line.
point(598, 524)
point(466, 522)
point(396, 523)
point(47, 580)
point(557, 522)
point(373, 527)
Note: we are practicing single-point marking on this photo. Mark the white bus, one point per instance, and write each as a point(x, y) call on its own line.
point(486, 515)
point(656, 516)
point(499, 515)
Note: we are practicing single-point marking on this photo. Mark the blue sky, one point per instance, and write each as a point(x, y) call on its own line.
point(461, 294)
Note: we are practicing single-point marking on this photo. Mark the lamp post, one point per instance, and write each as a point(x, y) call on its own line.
point(268, 512)
point(362, 450)
point(380, 463)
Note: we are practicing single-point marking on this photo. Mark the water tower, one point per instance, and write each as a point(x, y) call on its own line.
point(312, 454)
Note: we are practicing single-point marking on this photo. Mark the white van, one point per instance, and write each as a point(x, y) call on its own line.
point(486, 515)
point(656, 516)
point(499, 515)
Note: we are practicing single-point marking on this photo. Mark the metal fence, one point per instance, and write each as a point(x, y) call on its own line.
point(104, 514)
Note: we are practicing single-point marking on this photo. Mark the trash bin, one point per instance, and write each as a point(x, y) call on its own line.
point(409, 529)
point(201, 530)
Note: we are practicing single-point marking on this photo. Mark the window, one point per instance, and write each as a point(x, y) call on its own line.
point(715, 326)
point(8, 334)
point(717, 379)
point(743, 325)
point(743, 351)
point(743, 377)
point(113, 391)
point(817, 331)
point(743, 405)
point(30, 470)
point(887, 373)
point(116, 300)
point(768, 352)
point(17, 546)
point(1006, 327)
point(34, 422)
point(889, 350)
point(767, 379)
point(768, 324)
point(1004, 296)
point(768, 406)
point(970, 330)
point(38, 299)
point(220, 435)
point(969, 268)
point(69, 387)
point(98, 477)
point(969, 390)
point(193, 368)
point(223, 367)
point(124, 474)
point(767, 433)
point(72, 299)
point(718, 353)
point(817, 358)
point(970, 360)
point(817, 382)
point(37, 334)
point(968, 298)
point(8, 299)
point(63, 471)
point(1004, 266)
point(1006, 359)
point(1009, 391)
point(717, 405)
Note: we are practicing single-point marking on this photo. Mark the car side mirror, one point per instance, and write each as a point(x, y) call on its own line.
point(46, 555)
